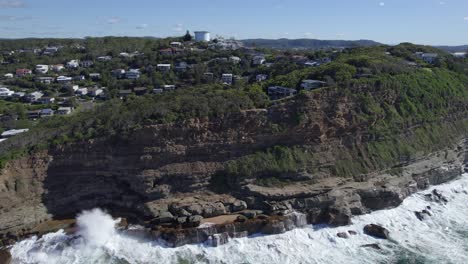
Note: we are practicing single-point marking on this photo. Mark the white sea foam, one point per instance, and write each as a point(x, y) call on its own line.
point(442, 238)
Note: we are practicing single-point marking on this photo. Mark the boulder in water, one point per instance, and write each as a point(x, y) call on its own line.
point(342, 235)
point(351, 232)
point(376, 231)
point(374, 246)
point(5, 256)
point(273, 228)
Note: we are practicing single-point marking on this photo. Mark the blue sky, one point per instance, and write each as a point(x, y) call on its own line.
point(387, 21)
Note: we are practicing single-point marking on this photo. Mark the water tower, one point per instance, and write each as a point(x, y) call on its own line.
point(202, 36)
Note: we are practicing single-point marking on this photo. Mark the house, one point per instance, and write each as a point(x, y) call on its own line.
point(208, 76)
point(13, 132)
point(181, 66)
point(45, 80)
point(95, 91)
point(140, 90)
point(86, 63)
point(50, 50)
point(176, 44)
point(95, 76)
point(119, 73)
point(312, 84)
point(46, 112)
point(258, 60)
point(169, 87)
point(58, 67)
point(46, 100)
point(261, 77)
point(33, 97)
point(34, 114)
point(278, 92)
point(430, 57)
point(125, 93)
point(227, 78)
point(8, 76)
point(5, 92)
point(42, 69)
point(104, 58)
point(64, 110)
point(311, 64)
point(235, 60)
point(23, 72)
point(73, 64)
point(132, 74)
point(124, 55)
point(82, 91)
point(166, 52)
point(79, 78)
point(19, 94)
point(158, 90)
point(164, 67)
point(64, 79)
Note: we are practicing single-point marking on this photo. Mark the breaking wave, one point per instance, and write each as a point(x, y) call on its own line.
point(440, 238)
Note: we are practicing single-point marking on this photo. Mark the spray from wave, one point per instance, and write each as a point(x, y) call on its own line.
point(440, 238)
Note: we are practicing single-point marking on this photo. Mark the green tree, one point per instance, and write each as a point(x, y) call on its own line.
point(187, 37)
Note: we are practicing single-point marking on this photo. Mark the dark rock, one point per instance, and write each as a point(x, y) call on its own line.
point(376, 231)
point(262, 217)
point(195, 209)
point(351, 232)
point(194, 220)
point(342, 235)
point(419, 215)
point(163, 218)
point(238, 206)
point(374, 246)
point(241, 219)
point(123, 224)
point(5, 256)
point(273, 228)
point(239, 234)
point(181, 220)
point(250, 214)
point(338, 216)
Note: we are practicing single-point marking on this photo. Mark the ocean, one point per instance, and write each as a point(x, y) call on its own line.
point(440, 238)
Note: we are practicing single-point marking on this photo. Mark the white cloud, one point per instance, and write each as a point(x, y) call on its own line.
point(178, 28)
point(381, 4)
point(142, 26)
point(114, 20)
point(12, 4)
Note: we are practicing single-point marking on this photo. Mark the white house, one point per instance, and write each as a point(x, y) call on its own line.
point(42, 69)
point(169, 87)
point(312, 84)
point(82, 91)
point(73, 64)
point(86, 63)
point(226, 78)
point(8, 75)
point(261, 77)
point(104, 58)
point(58, 67)
point(235, 59)
point(164, 67)
point(258, 60)
point(94, 92)
point(95, 76)
point(176, 44)
point(64, 110)
point(33, 97)
point(132, 74)
point(64, 79)
point(5, 92)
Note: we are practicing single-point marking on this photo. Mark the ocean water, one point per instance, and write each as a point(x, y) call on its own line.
point(441, 238)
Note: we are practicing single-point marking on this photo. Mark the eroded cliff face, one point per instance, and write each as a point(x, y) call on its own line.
point(162, 175)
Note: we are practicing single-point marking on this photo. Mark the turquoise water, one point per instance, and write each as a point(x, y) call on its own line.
point(441, 238)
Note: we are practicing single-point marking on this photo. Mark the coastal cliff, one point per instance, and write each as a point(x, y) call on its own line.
point(325, 161)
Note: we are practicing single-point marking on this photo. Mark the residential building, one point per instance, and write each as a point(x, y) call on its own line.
point(181, 67)
point(19, 94)
point(124, 55)
point(46, 112)
point(118, 73)
point(430, 57)
point(140, 90)
point(278, 92)
point(58, 67)
point(258, 60)
point(8, 76)
point(95, 91)
point(73, 64)
point(50, 50)
point(45, 80)
point(5, 92)
point(34, 114)
point(164, 67)
point(86, 63)
point(42, 69)
point(235, 60)
point(312, 84)
point(23, 72)
point(132, 74)
point(261, 77)
point(169, 87)
point(208, 76)
point(176, 44)
point(46, 100)
point(125, 93)
point(64, 79)
point(82, 91)
point(33, 97)
point(64, 110)
point(227, 78)
point(166, 52)
point(158, 90)
point(79, 78)
point(104, 58)
point(95, 76)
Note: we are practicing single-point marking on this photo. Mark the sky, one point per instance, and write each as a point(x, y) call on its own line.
point(432, 22)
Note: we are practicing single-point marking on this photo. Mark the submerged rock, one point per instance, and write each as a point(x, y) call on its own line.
point(374, 246)
point(5, 256)
point(351, 232)
point(342, 235)
point(376, 231)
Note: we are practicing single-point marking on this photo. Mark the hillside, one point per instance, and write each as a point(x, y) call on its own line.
point(381, 129)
